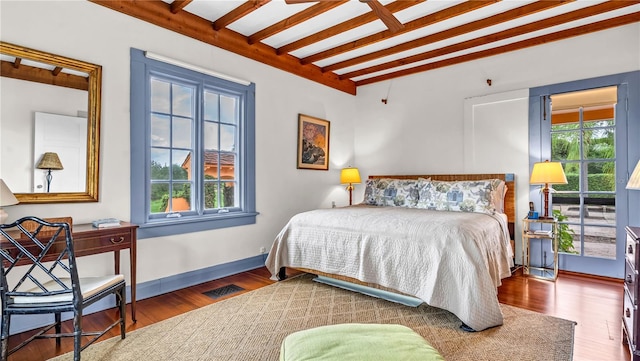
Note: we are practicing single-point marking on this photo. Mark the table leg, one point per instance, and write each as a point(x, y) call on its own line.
point(116, 263)
point(132, 261)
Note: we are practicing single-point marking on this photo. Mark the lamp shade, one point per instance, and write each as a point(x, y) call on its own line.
point(634, 181)
point(548, 173)
point(349, 175)
point(6, 196)
point(49, 160)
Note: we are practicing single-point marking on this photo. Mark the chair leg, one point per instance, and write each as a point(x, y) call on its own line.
point(5, 337)
point(123, 311)
point(77, 334)
point(58, 321)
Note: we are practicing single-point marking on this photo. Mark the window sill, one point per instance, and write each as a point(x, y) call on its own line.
point(173, 226)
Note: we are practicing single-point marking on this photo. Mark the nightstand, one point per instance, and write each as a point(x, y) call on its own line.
point(631, 293)
point(541, 229)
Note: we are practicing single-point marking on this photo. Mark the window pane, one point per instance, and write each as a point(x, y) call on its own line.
point(210, 164)
point(211, 108)
point(228, 166)
point(210, 136)
point(228, 194)
point(160, 96)
point(159, 164)
point(160, 136)
point(182, 133)
point(601, 177)
point(228, 109)
point(210, 195)
point(228, 138)
point(181, 165)
point(159, 197)
point(598, 144)
point(599, 123)
point(182, 197)
point(600, 242)
point(183, 101)
point(565, 145)
point(600, 209)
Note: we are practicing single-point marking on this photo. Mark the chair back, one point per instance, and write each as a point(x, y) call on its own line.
point(38, 263)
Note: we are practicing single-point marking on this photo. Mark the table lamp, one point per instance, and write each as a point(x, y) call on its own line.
point(6, 199)
point(49, 161)
point(547, 173)
point(349, 176)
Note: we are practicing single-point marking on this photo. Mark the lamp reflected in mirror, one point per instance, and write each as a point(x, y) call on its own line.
point(350, 176)
point(49, 161)
point(6, 199)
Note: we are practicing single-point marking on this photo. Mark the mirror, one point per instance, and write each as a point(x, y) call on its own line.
point(33, 78)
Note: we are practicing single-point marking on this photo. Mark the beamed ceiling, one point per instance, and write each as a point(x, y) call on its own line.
point(344, 44)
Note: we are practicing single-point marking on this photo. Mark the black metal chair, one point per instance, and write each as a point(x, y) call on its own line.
point(40, 276)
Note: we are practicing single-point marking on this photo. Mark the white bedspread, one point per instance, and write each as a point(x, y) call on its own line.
point(450, 260)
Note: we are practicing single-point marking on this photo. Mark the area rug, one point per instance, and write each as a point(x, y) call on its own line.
point(252, 326)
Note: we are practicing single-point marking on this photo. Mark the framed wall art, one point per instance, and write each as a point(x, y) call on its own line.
point(313, 143)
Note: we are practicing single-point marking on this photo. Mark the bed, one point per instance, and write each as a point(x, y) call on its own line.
point(423, 243)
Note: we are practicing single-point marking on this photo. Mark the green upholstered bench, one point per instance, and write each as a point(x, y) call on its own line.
point(356, 341)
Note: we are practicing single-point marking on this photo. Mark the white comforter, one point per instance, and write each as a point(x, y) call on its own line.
point(450, 260)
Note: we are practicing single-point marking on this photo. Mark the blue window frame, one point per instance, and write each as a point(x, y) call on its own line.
point(192, 149)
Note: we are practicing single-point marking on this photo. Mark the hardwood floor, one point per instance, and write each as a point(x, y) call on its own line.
point(595, 304)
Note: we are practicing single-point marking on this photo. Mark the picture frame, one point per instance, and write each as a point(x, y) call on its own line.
point(313, 142)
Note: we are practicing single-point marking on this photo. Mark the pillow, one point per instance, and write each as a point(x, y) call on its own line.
point(498, 191)
point(458, 196)
point(391, 192)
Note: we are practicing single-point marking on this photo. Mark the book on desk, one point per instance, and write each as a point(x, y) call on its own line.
point(106, 223)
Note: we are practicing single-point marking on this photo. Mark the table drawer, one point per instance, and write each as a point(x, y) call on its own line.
point(105, 242)
point(629, 320)
point(630, 251)
point(631, 281)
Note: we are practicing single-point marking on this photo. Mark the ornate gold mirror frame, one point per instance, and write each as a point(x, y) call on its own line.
point(94, 86)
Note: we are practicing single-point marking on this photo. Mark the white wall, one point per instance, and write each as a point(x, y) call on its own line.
point(89, 32)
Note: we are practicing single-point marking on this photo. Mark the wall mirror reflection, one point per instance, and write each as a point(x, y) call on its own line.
point(49, 125)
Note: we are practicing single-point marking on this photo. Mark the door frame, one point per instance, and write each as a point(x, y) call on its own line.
point(627, 154)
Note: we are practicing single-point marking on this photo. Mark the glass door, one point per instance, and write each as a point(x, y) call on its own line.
point(583, 137)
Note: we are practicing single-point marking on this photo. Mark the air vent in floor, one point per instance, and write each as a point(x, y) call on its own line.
point(223, 291)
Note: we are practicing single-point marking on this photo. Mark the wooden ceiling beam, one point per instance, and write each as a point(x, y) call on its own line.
point(540, 40)
point(157, 12)
point(344, 26)
point(42, 75)
point(450, 33)
point(178, 5)
point(430, 19)
point(499, 36)
point(295, 19)
point(237, 13)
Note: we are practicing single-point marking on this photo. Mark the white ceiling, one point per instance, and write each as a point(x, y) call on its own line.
point(446, 37)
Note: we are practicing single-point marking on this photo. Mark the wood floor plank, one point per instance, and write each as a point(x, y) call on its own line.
point(594, 303)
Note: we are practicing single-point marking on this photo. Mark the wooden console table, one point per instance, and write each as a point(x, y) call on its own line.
point(88, 240)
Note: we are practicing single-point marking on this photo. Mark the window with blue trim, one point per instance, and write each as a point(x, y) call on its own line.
point(192, 149)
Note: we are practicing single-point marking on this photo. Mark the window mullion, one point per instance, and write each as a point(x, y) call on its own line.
point(198, 151)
